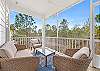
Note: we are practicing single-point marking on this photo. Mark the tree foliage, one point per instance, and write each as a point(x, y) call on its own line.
point(25, 26)
point(97, 28)
point(12, 27)
point(98, 18)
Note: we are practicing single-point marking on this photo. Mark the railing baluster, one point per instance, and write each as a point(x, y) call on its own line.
point(79, 44)
point(65, 43)
point(51, 43)
point(75, 44)
point(22, 40)
point(82, 43)
point(72, 43)
point(59, 43)
point(19, 40)
point(87, 43)
point(69, 44)
point(62, 45)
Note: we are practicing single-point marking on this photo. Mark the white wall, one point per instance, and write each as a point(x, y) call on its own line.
point(3, 21)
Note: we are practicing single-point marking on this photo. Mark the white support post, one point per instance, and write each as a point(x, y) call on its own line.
point(43, 35)
point(57, 32)
point(92, 31)
point(9, 38)
point(7, 24)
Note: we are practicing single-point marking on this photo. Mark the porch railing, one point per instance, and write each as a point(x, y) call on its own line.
point(58, 44)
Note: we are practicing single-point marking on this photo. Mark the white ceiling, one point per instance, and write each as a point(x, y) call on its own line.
point(40, 8)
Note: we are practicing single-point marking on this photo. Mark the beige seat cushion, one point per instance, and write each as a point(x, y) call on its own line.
point(3, 53)
point(7, 51)
point(37, 45)
point(62, 54)
point(34, 41)
point(84, 56)
point(23, 53)
point(11, 45)
point(78, 54)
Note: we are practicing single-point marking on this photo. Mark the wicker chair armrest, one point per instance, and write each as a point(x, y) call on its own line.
point(20, 47)
point(69, 64)
point(70, 52)
point(20, 64)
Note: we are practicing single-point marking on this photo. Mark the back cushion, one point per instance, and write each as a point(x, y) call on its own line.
point(78, 54)
point(34, 41)
point(84, 56)
point(3, 53)
point(9, 49)
point(12, 46)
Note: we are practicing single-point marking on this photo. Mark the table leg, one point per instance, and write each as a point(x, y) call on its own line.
point(46, 61)
point(36, 52)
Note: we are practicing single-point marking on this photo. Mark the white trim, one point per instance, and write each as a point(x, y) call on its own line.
point(42, 9)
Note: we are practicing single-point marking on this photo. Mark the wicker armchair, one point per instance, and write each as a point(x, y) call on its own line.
point(28, 63)
point(19, 64)
point(35, 43)
point(20, 47)
point(70, 64)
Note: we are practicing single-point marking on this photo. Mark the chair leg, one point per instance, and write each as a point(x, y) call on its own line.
point(31, 48)
point(36, 52)
point(34, 49)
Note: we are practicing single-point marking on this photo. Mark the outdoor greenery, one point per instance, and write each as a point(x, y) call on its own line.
point(97, 29)
point(23, 26)
point(26, 26)
point(98, 18)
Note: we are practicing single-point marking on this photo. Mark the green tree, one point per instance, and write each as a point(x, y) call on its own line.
point(63, 28)
point(54, 28)
point(97, 18)
point(51, 31)
point(64, 24)
point(97, 28)
point(25, 23)
point(48, 30)
point(48, 27)
point(54, 31)
point(12, 28)
point(40, 32)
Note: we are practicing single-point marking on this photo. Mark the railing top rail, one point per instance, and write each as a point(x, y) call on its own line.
point(58, 38)
point(27, 37)
point(69, 38)
point(96, 40)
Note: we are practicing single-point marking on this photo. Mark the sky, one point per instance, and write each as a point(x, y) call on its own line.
point(75, 15)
